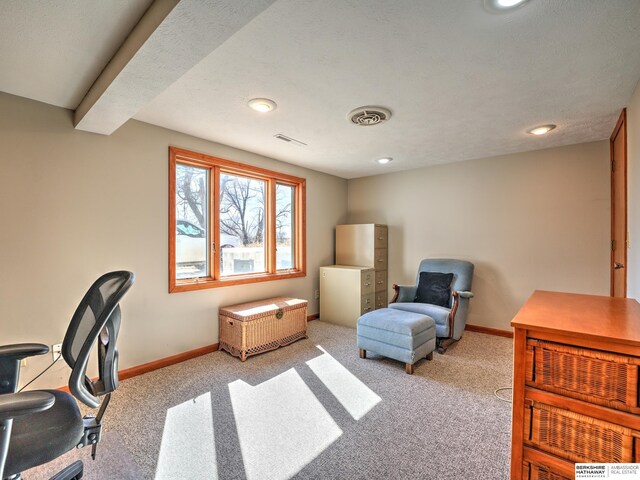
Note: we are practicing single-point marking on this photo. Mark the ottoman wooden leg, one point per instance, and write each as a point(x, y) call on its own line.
point(408, 367)
point(430, 356)
point(363, 353)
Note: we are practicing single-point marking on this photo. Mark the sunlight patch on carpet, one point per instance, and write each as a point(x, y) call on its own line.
point(349, 390)
point(188, 447)
point(281, 426)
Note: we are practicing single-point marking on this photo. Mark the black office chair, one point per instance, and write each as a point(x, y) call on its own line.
point(39, 426)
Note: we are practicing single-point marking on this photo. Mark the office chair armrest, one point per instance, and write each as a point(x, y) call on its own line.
point(14, 405)
point(21, 350)
point(10, 356)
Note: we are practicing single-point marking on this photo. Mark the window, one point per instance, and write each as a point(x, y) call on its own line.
point(231, 224)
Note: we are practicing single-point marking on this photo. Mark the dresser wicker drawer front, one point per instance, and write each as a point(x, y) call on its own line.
point(592, 440)
point(594, 376)
point(532, 471)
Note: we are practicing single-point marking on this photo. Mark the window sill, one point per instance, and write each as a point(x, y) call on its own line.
point(188, 285)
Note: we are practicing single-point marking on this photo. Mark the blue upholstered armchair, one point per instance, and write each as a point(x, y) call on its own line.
point(450, 320)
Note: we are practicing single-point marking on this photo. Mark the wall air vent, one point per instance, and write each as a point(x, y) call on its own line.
point(284, 138)
point(369, 116)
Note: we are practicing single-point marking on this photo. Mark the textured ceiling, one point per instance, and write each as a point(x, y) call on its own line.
point(172, 37)
point(53, 50)
point(461, 83)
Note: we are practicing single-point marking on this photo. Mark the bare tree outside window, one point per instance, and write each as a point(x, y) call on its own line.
point(191, 194)
point(242, 202)
point(242, 209)
point(247, 227)
point(284, 226)
point(192, 231)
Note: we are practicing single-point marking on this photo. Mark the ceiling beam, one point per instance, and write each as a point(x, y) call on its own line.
point(169, 40)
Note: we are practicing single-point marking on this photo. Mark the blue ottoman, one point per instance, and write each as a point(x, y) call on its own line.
point(398, 334)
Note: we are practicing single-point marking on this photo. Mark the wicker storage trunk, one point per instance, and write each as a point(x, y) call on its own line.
point(251, 328)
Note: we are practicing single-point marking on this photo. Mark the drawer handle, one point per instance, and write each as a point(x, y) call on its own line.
point(367, 309)
point(380, 238)
point(380, 260)
point(367, 284)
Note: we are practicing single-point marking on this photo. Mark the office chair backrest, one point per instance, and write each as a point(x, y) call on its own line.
point(97, 318)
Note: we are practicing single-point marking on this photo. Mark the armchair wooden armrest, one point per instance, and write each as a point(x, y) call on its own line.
point(454, 307)
point(403, 293)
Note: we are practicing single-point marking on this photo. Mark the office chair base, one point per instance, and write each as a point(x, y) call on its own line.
point(72, 472)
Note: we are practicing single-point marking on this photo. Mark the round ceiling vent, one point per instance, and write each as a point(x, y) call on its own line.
point(368, 116)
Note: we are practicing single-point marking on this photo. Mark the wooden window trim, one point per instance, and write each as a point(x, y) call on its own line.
point(215, 165)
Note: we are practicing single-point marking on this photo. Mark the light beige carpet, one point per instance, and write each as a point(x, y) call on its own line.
point(313, 410)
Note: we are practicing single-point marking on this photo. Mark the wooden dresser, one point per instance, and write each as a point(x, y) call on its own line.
point(365, 245)
point(575, 385)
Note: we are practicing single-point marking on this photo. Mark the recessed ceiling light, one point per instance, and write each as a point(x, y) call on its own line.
point(262, 105)
point(541, 130)
point(500, 6)
point(384, 160)
point(509, 3)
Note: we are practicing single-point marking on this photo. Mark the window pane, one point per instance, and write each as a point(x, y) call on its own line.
point(285, 258)
point(192, 229)
point(242, 226)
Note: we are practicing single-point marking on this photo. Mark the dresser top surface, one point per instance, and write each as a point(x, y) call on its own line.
point(593, 316)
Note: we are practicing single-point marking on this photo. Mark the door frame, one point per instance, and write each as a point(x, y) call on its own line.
point(620, 125)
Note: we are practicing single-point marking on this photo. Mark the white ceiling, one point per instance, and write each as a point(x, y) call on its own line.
point(52, 51)
point(461, 83)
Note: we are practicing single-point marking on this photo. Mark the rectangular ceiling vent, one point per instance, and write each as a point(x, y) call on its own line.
point(284, 138)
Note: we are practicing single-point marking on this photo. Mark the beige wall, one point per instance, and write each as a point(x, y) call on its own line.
point(76, 204)
point(633, 195)
point(537, 220)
